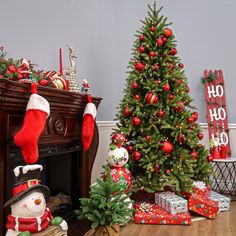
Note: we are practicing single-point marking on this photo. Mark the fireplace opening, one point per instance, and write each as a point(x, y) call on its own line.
point(60, 174)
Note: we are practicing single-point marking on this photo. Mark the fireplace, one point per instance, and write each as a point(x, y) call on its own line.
point(67, 167)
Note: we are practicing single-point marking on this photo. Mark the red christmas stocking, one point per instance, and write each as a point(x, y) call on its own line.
point(37, 111)
point(90, 113)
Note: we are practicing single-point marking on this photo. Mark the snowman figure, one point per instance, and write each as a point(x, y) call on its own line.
point(29, 213)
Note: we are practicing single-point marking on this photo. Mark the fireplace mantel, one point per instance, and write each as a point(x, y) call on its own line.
point(62, 133)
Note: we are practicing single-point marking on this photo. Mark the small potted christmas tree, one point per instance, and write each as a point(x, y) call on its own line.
point(107, 206)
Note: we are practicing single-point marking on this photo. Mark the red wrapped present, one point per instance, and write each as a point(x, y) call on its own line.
point(147, 213)
point(203, 206)
point(202, 189)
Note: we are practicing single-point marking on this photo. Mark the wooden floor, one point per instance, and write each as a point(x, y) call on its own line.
point(223, 225)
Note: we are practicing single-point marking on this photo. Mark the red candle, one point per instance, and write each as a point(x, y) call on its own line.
point(223, 152)
point(60, 52)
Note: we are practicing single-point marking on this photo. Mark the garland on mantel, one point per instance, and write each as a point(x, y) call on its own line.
point(22, 70)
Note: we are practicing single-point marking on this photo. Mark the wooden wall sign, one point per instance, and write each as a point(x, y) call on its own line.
point(216, 113)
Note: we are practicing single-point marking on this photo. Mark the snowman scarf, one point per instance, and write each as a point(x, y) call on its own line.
point(33, 225)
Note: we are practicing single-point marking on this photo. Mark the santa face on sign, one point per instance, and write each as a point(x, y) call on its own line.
point(33, 205)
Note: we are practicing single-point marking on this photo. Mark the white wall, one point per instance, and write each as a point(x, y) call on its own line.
point(105, 129)
point(101, 32)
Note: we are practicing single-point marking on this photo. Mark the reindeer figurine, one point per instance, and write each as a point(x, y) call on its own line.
point(70, 73)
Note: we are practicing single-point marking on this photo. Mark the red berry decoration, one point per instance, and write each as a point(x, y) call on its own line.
point(200, 136)
point(159, 42)
point(136, 121)
point(180, 138)
point(173, 51)
point(136, 155)
point(156, 168)
point(152, 29)
point(167, 32)
point(155, 67)
point(160, 113)
point(181, 65)
point(134, 85)
point(179, 107)
point(151, 98)
point(137, 97)
point(195, 116)
point(148, 138)
point(166, 87)
point(141, 49)
point(194, 154)
point(127, 111)
point(139, 66)
point(171, 96)
point(119, 139)
point(141, 37)
point(187, 89)
point(210, 158)
point(129, 149)
point(156, 81)
point(190, 120)
point(167, 147)
point(152, 54)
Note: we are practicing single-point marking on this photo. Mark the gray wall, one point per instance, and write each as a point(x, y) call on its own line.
point(102, 32)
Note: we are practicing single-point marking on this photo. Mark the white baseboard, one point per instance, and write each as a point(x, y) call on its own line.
point(105, 130)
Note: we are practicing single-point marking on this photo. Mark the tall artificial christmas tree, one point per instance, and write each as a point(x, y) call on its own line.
point(155, 113)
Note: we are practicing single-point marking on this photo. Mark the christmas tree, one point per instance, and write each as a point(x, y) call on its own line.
point(155, 113)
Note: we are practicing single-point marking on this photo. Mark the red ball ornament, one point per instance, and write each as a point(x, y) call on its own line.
point(134, 85)
point(160, 113)
point(166, 147)
point(171, 66)
point(171, 96)
point(166, 87)
point(200, 145)
point(173, 51)
point(122, 176)
point(164, 39)
point(194, 154)
point(136, 155)
point(180, 138)
point(119, 139)
point(8, 72)
point(137, 97)
point(129, 149)
point(200, 136)
point(141, 49)
point(151, 98)
point(167, 32)
point(152, 54)
point(168, 171)
point(156, 81)
point(139, 66)
point(181, 65)
point(195, 116)
point(152, 29)
point(210, 158)
point(148, 138)
point(136, 121)
point(159, 42)
point(127, 111)
point(190, 120)
point(141, 37)
point(155, 67)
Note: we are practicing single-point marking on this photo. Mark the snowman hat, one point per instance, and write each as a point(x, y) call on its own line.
point(27, 180)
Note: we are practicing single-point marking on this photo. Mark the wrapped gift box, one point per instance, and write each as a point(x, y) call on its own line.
point(171, 202)
point(224, 202)
point(203, 206)
point(200, 188)
point(147, 213)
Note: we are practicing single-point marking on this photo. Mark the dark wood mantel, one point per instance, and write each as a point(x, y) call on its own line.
point(63, 129)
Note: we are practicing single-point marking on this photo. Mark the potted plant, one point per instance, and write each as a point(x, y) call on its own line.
point(107, 206)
